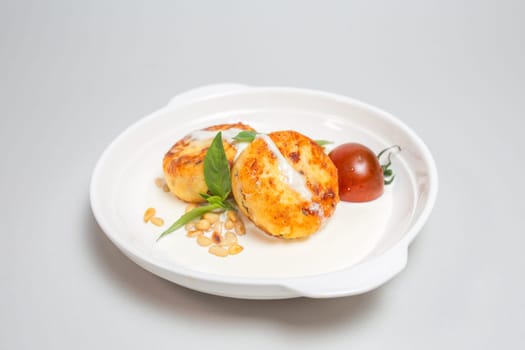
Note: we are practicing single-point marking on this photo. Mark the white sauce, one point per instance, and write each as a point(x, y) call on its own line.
point(227, 135)
point(240, 147)
point(289, 175)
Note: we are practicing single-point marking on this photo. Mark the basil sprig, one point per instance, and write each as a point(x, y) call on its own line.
point(218, 179)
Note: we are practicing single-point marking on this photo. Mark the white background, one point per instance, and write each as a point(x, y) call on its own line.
point(73, 75)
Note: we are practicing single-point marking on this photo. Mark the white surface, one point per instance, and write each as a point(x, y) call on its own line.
point(72, 76)
point(362, 246)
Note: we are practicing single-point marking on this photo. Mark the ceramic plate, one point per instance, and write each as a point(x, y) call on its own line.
point(361, 247)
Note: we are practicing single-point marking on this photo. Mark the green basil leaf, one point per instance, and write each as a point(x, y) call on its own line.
point(205, 196)
point(245, 136)
point(215, 200)
point(189, 216)
point(323, 143)
point(217, 169)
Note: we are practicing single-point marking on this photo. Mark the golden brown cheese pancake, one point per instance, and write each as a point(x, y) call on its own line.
point(286, 184)
point(183, 164)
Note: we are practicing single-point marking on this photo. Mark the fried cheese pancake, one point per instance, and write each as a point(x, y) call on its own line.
point(286, 184)
point(183, 164)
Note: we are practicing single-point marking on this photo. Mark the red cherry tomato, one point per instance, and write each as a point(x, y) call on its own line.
point(360, 174)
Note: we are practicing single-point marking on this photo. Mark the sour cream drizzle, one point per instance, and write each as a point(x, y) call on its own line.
point(227, 135)
point(290, 176)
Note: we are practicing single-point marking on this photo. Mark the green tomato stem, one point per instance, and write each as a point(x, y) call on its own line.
point(388, 173)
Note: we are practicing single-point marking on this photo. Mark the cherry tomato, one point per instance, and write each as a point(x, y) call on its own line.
point(360, 175)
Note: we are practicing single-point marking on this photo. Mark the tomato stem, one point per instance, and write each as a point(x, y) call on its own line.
point(388, 174)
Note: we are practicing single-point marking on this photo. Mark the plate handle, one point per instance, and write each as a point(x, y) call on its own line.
point(355, 280)
point(205, 92)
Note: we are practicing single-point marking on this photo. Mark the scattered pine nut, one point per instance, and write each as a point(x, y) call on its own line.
point(203, 225)
point(235, 249)
point(189, 226)
point(228, 225)
point(208, 229)
point(211, 222)
point(218, 251)
point(229, 238)
point(232, 215)
point(211, 217)
point(149, 213)
point(216, 237)
point(203, 241)
point(194, 233)
point(217, 226)
point(157, 221)
point(239, 228)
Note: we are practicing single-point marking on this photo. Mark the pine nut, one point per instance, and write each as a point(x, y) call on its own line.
point(149, 213)
point(228, 225)
point(216, 237)
point(165, 188)
point(157, 221)
point(211, 217)
point(217, 226)
point(218, 251)
point(203, 241)
point(190, 207)
point(189, 226)
point(232, 215)
point(203, 225)
point(159, 182)
point(194, 233)
point(229, 238)
point(239, 228)
point(235, 249)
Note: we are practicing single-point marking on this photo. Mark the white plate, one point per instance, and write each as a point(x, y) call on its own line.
point(362, 245)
